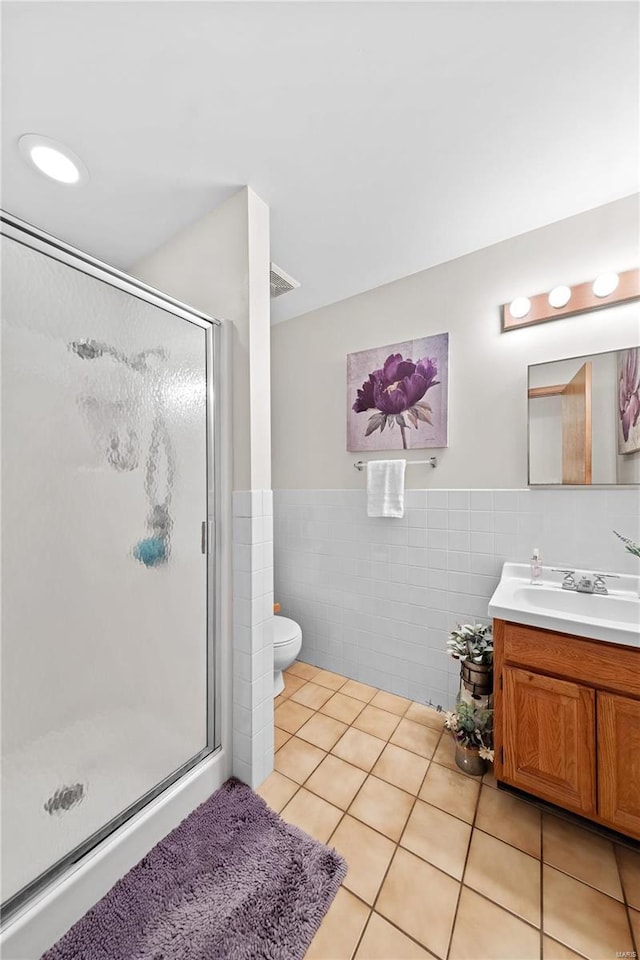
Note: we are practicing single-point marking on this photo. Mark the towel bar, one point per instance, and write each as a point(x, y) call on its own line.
point(361, 464)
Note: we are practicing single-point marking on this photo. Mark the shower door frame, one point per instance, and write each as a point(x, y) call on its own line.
point(36, 239)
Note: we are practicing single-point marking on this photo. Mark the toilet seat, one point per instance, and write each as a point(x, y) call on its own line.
point(287, 643)
point(285, 630)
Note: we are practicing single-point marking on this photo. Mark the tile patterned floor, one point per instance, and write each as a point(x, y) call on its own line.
point(440, 864)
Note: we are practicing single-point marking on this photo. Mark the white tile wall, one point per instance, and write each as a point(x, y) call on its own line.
point(376, 598)
point(252, 635)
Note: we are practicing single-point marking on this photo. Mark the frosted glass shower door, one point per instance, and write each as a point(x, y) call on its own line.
point(105, 646)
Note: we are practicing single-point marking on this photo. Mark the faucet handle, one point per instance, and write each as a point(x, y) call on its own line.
point(599, 585)
point(568, 581)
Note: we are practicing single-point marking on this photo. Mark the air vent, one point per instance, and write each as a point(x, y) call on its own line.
point(281, 282)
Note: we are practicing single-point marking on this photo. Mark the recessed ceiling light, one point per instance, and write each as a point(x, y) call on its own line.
point(559, 297)
point(520, 307)
point(52, 159)
point(605, 284)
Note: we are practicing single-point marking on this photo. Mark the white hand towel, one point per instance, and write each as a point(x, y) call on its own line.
point(385, 488)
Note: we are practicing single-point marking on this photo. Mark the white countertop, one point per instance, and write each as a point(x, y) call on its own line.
point(614, 618)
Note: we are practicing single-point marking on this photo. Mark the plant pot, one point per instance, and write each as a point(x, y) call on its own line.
point(477, 678)
point(469, 760)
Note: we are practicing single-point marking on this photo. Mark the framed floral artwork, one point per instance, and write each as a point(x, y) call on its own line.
point(629, 400)
point(397, 396)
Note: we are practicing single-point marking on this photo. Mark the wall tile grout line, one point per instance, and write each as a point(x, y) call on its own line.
point(375, 606)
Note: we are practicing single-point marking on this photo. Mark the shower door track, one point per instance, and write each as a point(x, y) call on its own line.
point(36, 239)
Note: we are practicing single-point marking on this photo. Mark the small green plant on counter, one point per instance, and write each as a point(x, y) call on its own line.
point(471, 641)
point(629, 545)
point(472, 726)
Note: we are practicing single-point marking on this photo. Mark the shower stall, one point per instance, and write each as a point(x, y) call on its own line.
point(110, 653)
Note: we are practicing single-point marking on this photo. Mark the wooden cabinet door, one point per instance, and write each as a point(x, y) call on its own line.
point(619, 762)
point(549, 738)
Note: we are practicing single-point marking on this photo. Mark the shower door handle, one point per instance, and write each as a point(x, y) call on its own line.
point(206, 536)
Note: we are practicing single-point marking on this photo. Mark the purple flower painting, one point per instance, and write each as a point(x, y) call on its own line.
point(397, 395)
point(629, 400)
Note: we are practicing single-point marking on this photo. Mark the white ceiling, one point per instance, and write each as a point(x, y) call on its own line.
point(385, 137)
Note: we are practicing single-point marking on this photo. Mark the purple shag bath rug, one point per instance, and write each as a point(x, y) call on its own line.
point(233, 881)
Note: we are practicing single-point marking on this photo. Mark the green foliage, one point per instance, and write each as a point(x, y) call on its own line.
point(630, 545)
point(470, 724)
point(471, 641)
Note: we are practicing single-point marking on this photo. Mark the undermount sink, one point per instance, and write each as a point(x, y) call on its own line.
point(614, 617)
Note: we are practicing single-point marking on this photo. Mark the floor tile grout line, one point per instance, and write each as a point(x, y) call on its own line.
point(584, 883)
point(461, 883)
point(397, 842)
point(428, 802)
point(343, 812)
point(573, 949)
point(311, 790)
point(464, 870)
point(541, 887)
point(512, 846)
point(328, 841)
point(386, 872)
point(501, 906)
point(634, 943)
point(468, 886)
point(303, 785)
point(415, 798)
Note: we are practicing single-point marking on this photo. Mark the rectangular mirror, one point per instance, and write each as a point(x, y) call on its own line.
point(584, 420)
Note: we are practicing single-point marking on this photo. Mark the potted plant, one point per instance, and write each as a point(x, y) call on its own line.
point(472, 729)
point(472, 643)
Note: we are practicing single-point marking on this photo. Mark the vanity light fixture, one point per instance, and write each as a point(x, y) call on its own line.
point(53, 159)
point(607, 290)
point(520, 307)
point(605, 284)
point(559, 297)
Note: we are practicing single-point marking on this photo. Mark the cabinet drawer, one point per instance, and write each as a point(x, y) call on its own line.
point(603, 665)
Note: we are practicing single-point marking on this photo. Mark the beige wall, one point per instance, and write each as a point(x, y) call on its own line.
point(487, 369)
point(220, 265)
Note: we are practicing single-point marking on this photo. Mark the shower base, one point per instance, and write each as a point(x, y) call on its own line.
point(60, 819)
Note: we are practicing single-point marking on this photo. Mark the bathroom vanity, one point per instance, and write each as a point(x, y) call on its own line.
point(567, 701)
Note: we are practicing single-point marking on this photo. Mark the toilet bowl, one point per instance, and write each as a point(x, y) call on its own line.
point(287, 643)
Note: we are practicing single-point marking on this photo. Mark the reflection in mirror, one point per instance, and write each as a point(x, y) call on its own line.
point(584, 419)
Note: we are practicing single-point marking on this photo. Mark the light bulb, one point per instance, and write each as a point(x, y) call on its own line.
point(55, 165)
point(52, 159)
point(559, 297)
point(520, 307)
point(605, 284)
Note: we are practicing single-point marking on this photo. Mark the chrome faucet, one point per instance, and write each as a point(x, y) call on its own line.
point(593, 584)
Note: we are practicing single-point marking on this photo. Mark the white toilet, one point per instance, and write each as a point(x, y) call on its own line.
point(287, 643)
